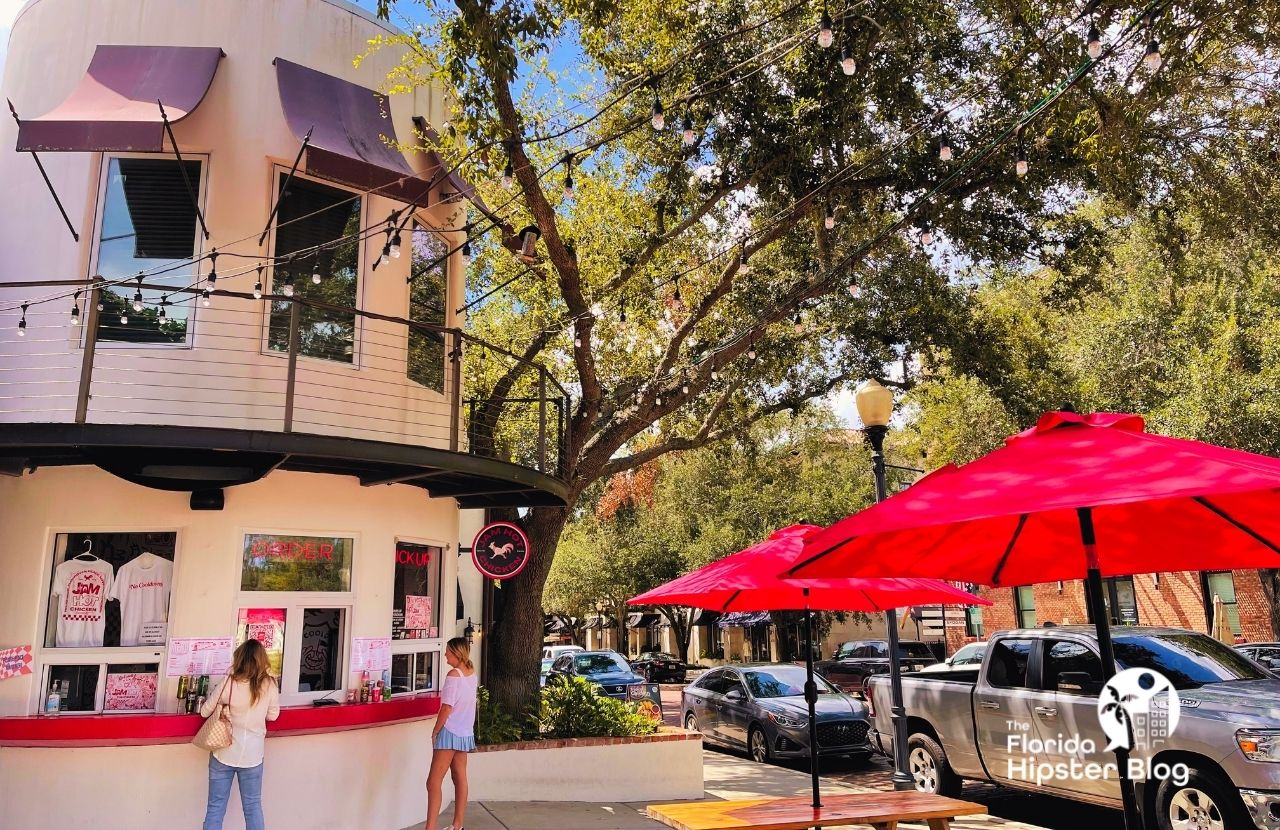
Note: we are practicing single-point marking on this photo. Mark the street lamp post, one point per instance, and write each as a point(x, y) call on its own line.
point(875, 407)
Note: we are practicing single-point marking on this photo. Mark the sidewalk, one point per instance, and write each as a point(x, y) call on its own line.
point(726, 777)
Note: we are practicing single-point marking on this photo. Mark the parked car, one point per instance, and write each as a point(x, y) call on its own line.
point(970, 655)
point(606, 669)
point(762, 710)
point(1044, 683)
point(552, 652)
point(658, 666)
point(855, 661)
point(546, 669)
point(1268, 654)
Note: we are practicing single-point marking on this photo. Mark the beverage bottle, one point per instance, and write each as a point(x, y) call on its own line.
point(377, 692)
point(204, 685)
point(182, 687)
point(53, 705)
point(191, 699)
point(364, 693)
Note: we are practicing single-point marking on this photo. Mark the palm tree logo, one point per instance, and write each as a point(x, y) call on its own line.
point(1137, 706)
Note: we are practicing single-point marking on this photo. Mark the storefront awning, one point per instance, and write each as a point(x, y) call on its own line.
point(596, 623)
point(114, 106)
point(556, 623)
point(638, 620)
point(743, 619)
point(705, 616)
point(350, 129)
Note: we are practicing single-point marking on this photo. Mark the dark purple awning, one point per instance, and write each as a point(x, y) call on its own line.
point(114, 106)
point(350, 127)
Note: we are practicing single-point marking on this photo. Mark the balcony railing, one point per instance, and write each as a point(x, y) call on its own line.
point(284, 364)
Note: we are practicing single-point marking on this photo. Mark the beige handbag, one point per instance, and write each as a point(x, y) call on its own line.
point(215, 734)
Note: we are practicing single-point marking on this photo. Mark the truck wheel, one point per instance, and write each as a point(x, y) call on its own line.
point(1205, 802)
point(929, 768)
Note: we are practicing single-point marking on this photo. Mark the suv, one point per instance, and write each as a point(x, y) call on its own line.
point(856, 660)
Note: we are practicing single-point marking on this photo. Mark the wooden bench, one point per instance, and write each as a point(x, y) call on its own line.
point(881, 810)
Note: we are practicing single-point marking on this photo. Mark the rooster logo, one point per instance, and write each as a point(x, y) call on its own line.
point(503, 551)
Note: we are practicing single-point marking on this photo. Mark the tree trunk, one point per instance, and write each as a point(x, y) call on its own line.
point(679, 620)
point(1270, 578)
point(515, 653)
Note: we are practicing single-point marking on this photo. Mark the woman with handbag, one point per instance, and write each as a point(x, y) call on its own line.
point(454, 733)
point(245, 701)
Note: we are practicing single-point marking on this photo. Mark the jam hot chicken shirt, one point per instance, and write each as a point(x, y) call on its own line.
point(82, 587)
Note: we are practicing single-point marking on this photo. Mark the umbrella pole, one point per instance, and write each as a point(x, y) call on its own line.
point(1098, 607)
point(902, 779)
point(811, 698)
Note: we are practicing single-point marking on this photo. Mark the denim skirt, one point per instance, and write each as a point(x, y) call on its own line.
point(458, 743)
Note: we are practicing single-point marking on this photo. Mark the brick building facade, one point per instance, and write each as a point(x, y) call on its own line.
point(1183, 599)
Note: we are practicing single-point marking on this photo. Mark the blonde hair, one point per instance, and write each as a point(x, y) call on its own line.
point(251, 665)
point(461, 648)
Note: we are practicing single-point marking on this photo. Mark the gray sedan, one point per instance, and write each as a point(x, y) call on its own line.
point(761, 709)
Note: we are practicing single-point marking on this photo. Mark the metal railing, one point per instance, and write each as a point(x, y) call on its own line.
point(287, 364)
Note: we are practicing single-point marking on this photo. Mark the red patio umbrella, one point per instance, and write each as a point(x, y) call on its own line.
point(1076, 495)
point(749, 581)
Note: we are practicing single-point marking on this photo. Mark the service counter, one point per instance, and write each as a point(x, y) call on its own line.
point(349, 765)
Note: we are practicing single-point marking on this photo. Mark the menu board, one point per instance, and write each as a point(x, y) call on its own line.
point(130, 692)
point(417, 615)
point(266, 625)
point(371, 654)
point(199, 655)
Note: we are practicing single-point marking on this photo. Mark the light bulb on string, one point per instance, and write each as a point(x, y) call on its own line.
point(1094, 42)
point(847, 65)
point(926, 235)
point(676, 296)
point(204, 298)
point(853, 289)
point(715, 375)
point(799, 324)
point(287, 288)
point(684, 389)
point(751, 354)
point(213, 269)
point(315, 276)
point(395, 247)
point(744, 267)
point(829, 221)
point(137, 301)
point(257, 290)
point(1021, 166)
point(22, 322)
point(658, 400)
point(656, 117)
point(1152, 59)
point(508, 175)
point(689, 136)
point(622, 312)
point(944, 148)
point(75, 310)
point(162, 318)
point(386, 254)
point(466, 252)
point(124, 319)
point(825, 36)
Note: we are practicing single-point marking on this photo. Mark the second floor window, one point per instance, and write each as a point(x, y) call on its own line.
point(1024, 599)
point(148, 226)
point(427, 297)
point(311, 215)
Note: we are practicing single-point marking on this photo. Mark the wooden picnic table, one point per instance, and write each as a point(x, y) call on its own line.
point(881, 810)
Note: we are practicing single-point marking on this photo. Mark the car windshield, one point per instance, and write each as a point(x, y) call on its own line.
point(781, 681)
point(1188, 660)
point(973, 651)
point(546, 665)
point(916, 650)
point(590, 664)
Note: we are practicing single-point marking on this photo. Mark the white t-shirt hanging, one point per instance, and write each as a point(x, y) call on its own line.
point(142, 586)
point(83, 586)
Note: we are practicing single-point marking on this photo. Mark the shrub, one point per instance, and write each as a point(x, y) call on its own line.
point(494, 725)
point(574, 708)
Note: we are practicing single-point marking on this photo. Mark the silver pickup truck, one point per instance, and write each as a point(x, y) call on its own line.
point(1030, 718)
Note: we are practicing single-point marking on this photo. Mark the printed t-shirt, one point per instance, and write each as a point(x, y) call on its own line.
point(142, 586)
point(83, 586)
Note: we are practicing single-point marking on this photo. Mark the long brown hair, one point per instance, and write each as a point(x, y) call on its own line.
point(461, 648)
point(251, 665)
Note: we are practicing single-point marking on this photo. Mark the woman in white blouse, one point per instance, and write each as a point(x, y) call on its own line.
point(253, 699)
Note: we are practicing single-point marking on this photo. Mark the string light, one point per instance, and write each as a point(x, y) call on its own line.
point(75, 310)
point(846, 58)
point(287, 288)
point(825, 36)
point(744, 267)
point(656, 117)
point(137, 300)
point(1021, 166)
point(22, 322)
point(658, 400)
point(622, 311)
point(944, 148)
point(204, 298)
point(715, 375)
point(1095, 42)
point(689, 135)
point(926, 235)
point(676, 296)
point(829, 221)
point(395, 245)
point(799, 324)
point(385, 259)
point(124, 318)
point(164, 301)
point(315, 273)
point(466, 253)
point(568, 175)
point(853, 289)
point(508, 175)
point(684, 389)
point(1152, 59)
point(213, 271)
point(751, 353)
point(529, 243)
point(257, 286)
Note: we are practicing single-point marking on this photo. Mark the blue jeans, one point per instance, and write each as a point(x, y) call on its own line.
point(220, 776)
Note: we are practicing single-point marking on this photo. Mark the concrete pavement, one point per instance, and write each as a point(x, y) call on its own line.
point(726, 776)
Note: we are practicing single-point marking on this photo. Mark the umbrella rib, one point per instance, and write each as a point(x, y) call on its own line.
point(729, 601)
point(874, 605)
point(1236, 523)
point(1017, 531)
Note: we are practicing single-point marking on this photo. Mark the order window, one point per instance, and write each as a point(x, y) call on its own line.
point(415, 600)
point(100, 687)
point(310, 215)
point(295, 599)
point(148, 223)
point(414, 671)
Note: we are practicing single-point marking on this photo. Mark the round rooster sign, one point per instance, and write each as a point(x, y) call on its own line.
point(500, 550)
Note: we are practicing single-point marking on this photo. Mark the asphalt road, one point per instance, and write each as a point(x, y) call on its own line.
point(1040, 810)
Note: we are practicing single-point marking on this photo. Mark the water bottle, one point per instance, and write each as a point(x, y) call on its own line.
point(53, 704)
